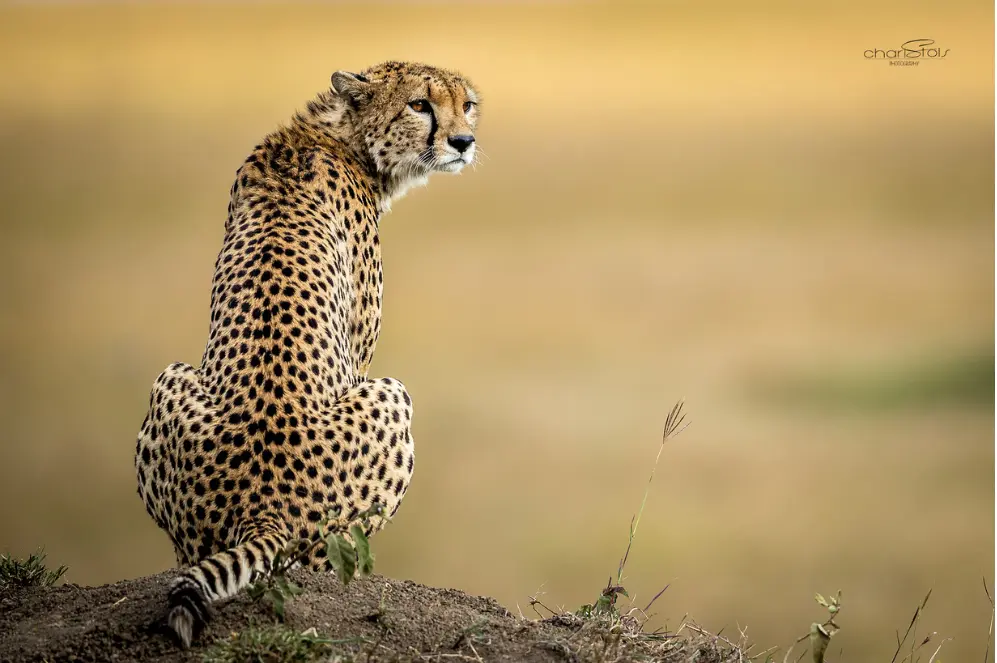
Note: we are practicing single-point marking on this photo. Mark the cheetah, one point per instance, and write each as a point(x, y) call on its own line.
point(280, 425)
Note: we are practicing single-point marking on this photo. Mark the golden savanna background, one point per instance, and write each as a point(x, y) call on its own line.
point(712, 201)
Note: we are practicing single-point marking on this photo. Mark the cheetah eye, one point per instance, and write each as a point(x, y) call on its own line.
point(468, 105)
point(419, 106)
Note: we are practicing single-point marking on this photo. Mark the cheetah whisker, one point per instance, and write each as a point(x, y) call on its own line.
point(479, 151)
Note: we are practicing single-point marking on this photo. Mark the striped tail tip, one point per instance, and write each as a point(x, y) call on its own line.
point(188, 611)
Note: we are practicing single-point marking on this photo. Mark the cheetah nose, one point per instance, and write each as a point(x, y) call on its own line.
point(461, 143)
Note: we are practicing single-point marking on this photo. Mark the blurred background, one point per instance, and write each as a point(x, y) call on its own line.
point(679, 200)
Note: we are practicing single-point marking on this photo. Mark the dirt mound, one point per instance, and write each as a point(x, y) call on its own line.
point(372, 619)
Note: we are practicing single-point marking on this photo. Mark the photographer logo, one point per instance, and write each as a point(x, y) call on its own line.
point(909, 54)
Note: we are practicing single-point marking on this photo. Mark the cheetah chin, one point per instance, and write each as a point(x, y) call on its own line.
point(454, 166)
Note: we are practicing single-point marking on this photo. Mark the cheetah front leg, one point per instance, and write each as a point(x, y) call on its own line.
point(368, 456)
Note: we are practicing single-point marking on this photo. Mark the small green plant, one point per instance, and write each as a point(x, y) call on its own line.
point(346, 555)
point(820, 633)
point(274, 644)
point(275, 586)
point(30, 572)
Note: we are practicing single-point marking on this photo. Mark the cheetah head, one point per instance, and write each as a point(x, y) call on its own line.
point(413, 119)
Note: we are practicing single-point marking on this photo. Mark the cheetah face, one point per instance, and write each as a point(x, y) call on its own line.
point(415, 119)
point(439, 125)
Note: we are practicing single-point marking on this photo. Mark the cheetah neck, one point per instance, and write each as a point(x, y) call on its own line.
point(395, 185)
point(328, 119)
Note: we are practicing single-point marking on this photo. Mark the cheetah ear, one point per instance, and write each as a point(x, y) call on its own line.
point(355, 88)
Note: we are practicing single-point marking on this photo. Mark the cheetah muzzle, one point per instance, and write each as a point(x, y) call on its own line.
point(280, 424)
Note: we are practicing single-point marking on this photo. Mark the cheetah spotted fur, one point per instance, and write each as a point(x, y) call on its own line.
point(280, 424)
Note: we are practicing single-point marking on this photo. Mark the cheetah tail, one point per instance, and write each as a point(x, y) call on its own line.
point(215, 578)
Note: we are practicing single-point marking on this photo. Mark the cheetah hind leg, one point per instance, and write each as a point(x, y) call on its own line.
point(221, 576)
